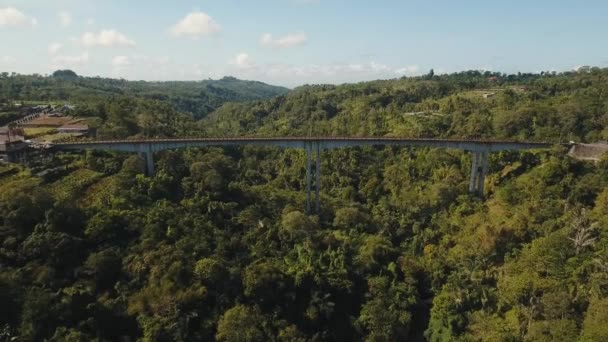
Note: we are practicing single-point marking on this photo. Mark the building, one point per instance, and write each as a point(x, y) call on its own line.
point(590, 152)
point(12, 145)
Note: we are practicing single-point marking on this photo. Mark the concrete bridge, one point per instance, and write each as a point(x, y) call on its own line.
point(480, 149)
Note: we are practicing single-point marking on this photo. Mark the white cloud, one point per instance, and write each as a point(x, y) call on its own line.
point(11, 16)
point(90, 21)
point(70, 61)
point(106, 38)
point(119, 61)
point(289, 40)
point(243, 61)
point(144, 67)
point(293, 75)
point(54, 48)
point(195, 24)
point(7, 60)
point(65, 18)
point(408, 70)
point(377, 67)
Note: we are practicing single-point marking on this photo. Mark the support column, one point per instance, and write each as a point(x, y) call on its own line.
point(318, 180)
point(308, 175)
point(474, 171)
point(145, 152)
point(150, 163)
point(483, 171)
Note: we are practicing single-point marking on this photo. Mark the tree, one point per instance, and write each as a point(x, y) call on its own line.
point(295, 226)
point(582, 232)
point(241, 324)
point(65, 74)
point(105, 267)
point(594, 325)
point(562, 330)
point(385, 315)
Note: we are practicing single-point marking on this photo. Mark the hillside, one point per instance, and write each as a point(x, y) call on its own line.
point(217, 245)
point(194, 98)
point(546, 106)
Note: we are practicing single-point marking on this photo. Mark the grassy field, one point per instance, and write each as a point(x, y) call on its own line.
point(55, 137)
point(38, 131)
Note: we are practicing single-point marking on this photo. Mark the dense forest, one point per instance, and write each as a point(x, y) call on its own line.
point(217, 246)
point(197, 99)
point(547, 106)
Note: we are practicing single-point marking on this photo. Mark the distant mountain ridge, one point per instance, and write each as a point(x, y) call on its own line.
point(195, 97)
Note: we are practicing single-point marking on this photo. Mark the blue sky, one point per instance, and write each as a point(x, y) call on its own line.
point(293, 42)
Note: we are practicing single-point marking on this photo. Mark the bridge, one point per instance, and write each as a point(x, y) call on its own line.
point(480, 150)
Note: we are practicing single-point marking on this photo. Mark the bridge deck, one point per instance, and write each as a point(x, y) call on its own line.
point(154, 145)
point(479, 148)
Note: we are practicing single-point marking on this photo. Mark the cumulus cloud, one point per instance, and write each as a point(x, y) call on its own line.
point(293, 75)
point(119, 61)
point(70, 61)
point(11, 16)
point(408, 70)
point(7, 60)
point(377, 67)
point(287, 41)
point(366, 71)
point(54, 48)
point(65, 18)
point(195, 24)
point(144, 67)
point(243, 61)
point(106, 38)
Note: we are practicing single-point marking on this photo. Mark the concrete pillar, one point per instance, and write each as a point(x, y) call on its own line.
point(308, 175)
point(483, 171)
point(318, 180)
point(150, 163)
point(474, 171)
point(142, 157)
point(145, 153)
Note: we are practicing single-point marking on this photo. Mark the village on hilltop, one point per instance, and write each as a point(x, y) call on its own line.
point(39, 126)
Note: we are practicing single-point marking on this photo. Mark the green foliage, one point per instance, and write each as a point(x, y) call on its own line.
point(594, 325)
point(241, 324)
point(549, 107)
point(386, 316)
point(99, 97)
point(65, 74)
point(217, 245)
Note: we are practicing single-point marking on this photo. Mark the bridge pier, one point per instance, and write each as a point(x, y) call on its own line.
point(318, 180)
point(147, 156)
point(308, 175)
point(473, 183)
point(479, 170)
point(313, 147)
point(150, 164)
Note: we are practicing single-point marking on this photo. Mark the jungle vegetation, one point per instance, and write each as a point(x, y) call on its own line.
point(217, 246)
